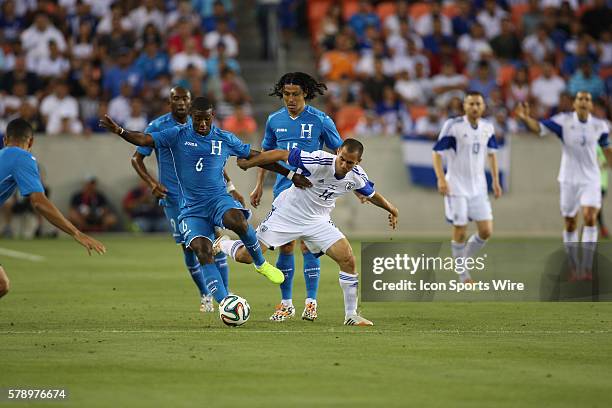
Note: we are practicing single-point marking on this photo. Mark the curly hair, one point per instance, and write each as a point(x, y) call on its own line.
point(310, 86)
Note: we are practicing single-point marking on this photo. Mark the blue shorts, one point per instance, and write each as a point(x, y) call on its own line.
point(202, 223)
point(172, 215)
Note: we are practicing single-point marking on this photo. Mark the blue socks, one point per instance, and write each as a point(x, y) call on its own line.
point(286, 263)
point(223, 268)
point(214, 283)
point(312, 272)
point(193, 265)
point(252, 245)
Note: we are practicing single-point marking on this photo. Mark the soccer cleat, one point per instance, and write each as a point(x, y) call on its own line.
point(207, 305)
point(282, 313)
point(217, 244)
point(310, 312)
point(357, 320)
point(273, 274)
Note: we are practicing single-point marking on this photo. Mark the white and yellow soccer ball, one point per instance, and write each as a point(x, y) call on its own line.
point(234, 310)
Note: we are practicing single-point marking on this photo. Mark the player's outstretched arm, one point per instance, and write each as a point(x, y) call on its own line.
point(257, 192)
point(136, 138)
point(439, 170)
point(158, 189)
point(497, 190)
point(269, 162)
point(380, 201)
point(608, 153)
point(523, 113)
point(47, 209)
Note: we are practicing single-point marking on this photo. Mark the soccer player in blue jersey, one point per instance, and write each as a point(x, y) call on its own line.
point(199, 152)
point(19, 169)
point(166, 189)
point(296, 125)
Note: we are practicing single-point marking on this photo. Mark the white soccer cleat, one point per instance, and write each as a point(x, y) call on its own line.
point(282, 313)
point(357, 320)
point(217, 244)
point(207, 305)
point(310, 312)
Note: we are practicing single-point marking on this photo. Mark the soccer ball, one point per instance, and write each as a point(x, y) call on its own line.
point(234, 310)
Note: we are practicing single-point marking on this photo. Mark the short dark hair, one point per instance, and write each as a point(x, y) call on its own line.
point(19, 130)
point(201, 103)
point(353, 145)
point(474, 93)
point(310, 86)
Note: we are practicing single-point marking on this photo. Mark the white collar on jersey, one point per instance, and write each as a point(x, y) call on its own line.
point(577, 119)
point(465, 118)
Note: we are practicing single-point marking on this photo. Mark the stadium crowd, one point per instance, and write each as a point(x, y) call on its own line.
point(64, 63)
point(397, 67)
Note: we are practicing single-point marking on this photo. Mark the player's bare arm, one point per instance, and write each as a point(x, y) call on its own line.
point(608, 153)
point(439, 170)
point(135, 138)
point(158, 189)
point(269, 162)
point(232, 189)
point(497, 189)
point(380, 201)
point(257, 192)
point(47, 209)
point(523, 113)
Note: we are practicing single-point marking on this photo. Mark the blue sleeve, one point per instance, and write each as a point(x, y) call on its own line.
point(269, 140)
point(492, 143)
point(237, 147)
point(167, 137)
point(331, 137)
point(604, 140)
point(367, 190)
point(146, 150)
point(295, 160)
point(445, 143)
point(27, 177)
point(554, 127)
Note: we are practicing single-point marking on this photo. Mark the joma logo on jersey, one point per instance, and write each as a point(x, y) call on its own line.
point(306, 131)
point(191, 144)
point(281, 130)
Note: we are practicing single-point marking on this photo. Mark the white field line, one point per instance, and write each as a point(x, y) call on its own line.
point(21, 255)
point(325, 331)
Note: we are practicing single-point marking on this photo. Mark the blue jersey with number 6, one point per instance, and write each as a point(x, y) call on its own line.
point(199, 161)
point(309, 132)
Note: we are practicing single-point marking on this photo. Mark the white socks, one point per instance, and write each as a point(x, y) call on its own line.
point(458, 251)
point(310, 300)
point(229, 247)
point(287, 302)
point(589, 243)
point(349, 283)
point(474, 245)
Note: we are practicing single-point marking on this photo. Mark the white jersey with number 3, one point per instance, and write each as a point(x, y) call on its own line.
point(579, 163)
point(465, 149)
point(305, 206)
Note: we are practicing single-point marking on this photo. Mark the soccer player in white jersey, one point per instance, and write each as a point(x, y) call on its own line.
point(466, 142)
point(305, 213)
point(579, 174)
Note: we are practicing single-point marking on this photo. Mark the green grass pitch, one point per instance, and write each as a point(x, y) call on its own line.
point(124, 330)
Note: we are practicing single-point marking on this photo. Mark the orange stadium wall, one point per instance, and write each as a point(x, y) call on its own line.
point(530, 208)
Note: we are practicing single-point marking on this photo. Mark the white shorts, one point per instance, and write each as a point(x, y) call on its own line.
point(276, 231)
point(460, 210)
point(574, 196)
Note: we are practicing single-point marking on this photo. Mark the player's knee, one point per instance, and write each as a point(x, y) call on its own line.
point(347, 263)
point(590, 218)
point(287, 248)
point(237, 223)
point(570, 224)
point(203, 251)
point(485, 233)
point(4, 286)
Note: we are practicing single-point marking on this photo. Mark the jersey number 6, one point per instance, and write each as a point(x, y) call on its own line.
point(199, 165)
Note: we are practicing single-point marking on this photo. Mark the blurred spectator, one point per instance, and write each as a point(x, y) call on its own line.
point(136, 120)
point(484, 81)
point(474, 44)
point(81, 44)
point(36, 38)
point(424, 25)
point(189, 57)
point(19, 95)
point(491, 18)
point(464, 18)
point(532, 19)
point(54, 66)
point(124, 71)
point(585, 80)
point(89, 209)
point(597, 18)
point(330, 26)
point(398, 42)
point(81, 15)
point(448, 84)
point(240, 124)
point(538, 47)
point(363, 18)
point(373, 87)
point(577, 52)
point(195, 81)
point(145, 14)
point(604, 49)
point(519, 90)
point(119, 107)
point(143, 211)
point(339, 61)
point(113, 18)
point(221, 34)
point(178, 39)
point(368, 125)
point(152, 62)
point(506, 44)
point(366, 64)
point(412, 92)
point(431, 124)
point(433, 42)
point(91, 123)
point(60, 111)
point(119, 40)
point(288, 20)
point(184, 11)
point(394, 21)
point(389, 111)
point(219, 61)
point(89, 104)
point(11, 24)
point(547, 88)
